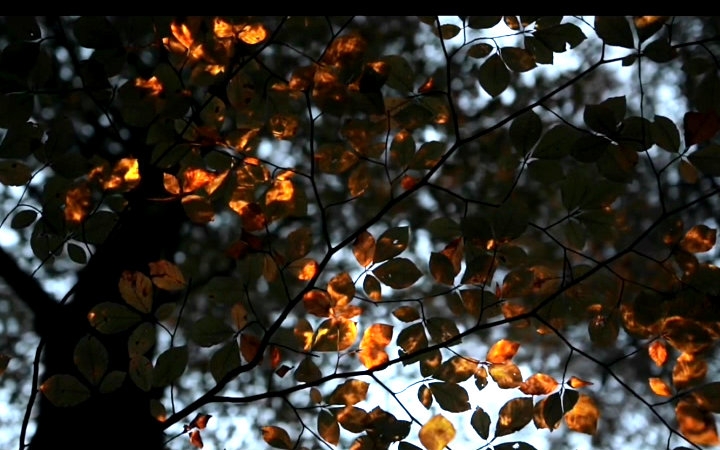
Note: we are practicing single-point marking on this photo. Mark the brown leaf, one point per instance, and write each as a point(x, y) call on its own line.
point(584, 416)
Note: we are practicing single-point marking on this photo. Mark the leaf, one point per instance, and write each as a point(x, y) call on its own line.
point(425, 396)
point(349, 393)
point(64, 390)
point(456, 369)
point(224, 360)
point(198, 209)
point(539, 384)
point(398, 273)
point(507, 375)
point(707, 396)
point(576, 383)
point(514, 446)
point(525, 132)
point(196, 439)
point(276, 437)
point(303, 269)
point(363, 248)
point(427, 156)
point(335, 335)
point(436, 433)
point(514, 415)
point(170, 365)
point(352, 418)
point(441, 268)
point(584, 416)
point(556, 142)
point(391, 242)
point(558, 38)
point(112, 381)
point(696, 424)
point(328, 427)
point(518, 59)
point(450, 396)
point(142, 339)
point(23, 219)
point(372, 288)
point(167, 275)
point(502, 351)
point(660, 387)
point(91, 358)
point(493, 75)
point(480, 421)
point(136, 290)
point(614, 30)
point(109, 318)
point(372, 346)
point(700, 127)
point(14, 173)
point(658, 352)
point(442, 329)
point(209, 331)
point(141, 372)
point(249, 346)
point(698, 239)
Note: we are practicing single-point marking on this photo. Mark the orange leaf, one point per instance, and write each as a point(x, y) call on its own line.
point(249, 346)
point(658, 352)
point(318, 303)
point(576, 383)
point(659, 387)
point(196, 439)
point(167, 275)
point(698, 239)
point(539, 384)
point(372, 346)
point(304, 269)
point(584, 416)
point(696, 424)
point(502, 351)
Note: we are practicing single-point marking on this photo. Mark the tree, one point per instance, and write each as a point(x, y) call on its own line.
point(298, 221)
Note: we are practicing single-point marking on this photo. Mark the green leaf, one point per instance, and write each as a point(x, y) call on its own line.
point(109, 317)
point(450, 396)
point(525, 131)
point(209, 331)
point(614, 30)
point(707, 160)
point(480, 421)
point(91, 358)
point(556, 142)
point(170, 365)
point(64, 390)
point(23, 219)
point(589, 148)
point(398, 273)
point(518, 59)
point(112, 381)
point(665, 134)
point(141, 372)
point(494, 76)
point(391, 243)
point(225, 359)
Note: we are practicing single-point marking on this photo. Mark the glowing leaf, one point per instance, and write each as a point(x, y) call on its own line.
point(372, 288)
point(249, 346)
point(64, 390)
point(688, 371)
point(412, 338)
point(507, 376)
point(687, 335)
point(539, 384)
point(335, 335)
point(584, 416)
point(372, 346)
point(406, 313)
point(456, 369)
point(341, 289)
point(328, 427)
point(658, 352)
point(304, 269)
point(157, 410)
point(108, 317)
point(660, 387)
point(502, 351)
point(167, 275)
point(480, 421)
point(352, 418)
point(364, 248)
point(136, 290)
point(514, 415)
point(450, 396)
point(77, 203)
point(575, 382)
point(436, 433)
point(349, 393)
point(91, 358)
point(695, 423)
point(698, 239)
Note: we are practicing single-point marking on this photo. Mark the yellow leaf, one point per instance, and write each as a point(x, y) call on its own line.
point(77, 203)
point(507, 376)
point(502, 351)
point(136, 290)
point(167, 275)
point(437, 433)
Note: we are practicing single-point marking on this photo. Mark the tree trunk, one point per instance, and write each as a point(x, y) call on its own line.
point(147, 231)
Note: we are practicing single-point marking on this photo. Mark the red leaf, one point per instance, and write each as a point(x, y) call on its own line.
point(700, 127)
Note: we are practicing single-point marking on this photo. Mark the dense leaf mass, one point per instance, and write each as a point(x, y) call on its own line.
point(359, 232)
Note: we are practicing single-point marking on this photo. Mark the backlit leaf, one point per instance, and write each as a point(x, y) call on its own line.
point(328, 427)
point(335, 335)
point(518, 59)
point(493, 75)
point(209, 330)
point(507, 375)
point(304, 269)
point(225, 359)
point(576, 383)
point(698, 239)
point(539, 384)
point(584, 416)
point(502, 351)
point(167, 275)
point(398, 273)
point(64, 390)
point(307, 371)
point(660, 387)
point(141, 372)
point(352, 418)
point(658, 352)
point(170, 365)
point(614, 30)
point(198, 209)
point(514, 415)
point(707, 396)
point(514, 446)
point(349, 393)
point(480, 421)
point(688, 371)
point(425, 396)
point(707, 159)
point(687, 335)
point(249, 346)
point(441, 329)
point(441, 268)
point(372, 288)
point(696, 424)
point(700, 126)
point(456, 369)
point(372, 347)
point(436, 433)
point(406, 313)
point(91, 358)
point(525, 131)
point(276, 437)
point(136, 290)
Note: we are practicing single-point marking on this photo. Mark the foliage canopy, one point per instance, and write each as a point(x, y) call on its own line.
point(362, 232)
